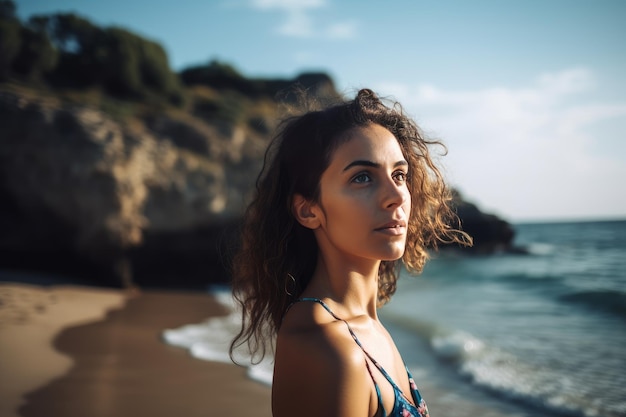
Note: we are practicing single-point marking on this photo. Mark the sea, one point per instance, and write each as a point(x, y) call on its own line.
point(540, 331)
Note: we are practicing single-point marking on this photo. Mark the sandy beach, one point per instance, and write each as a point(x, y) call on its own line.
point(77, 351)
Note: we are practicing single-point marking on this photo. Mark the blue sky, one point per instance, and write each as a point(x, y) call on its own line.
point(530, 97)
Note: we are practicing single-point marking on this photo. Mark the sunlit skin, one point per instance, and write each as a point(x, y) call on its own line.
point(359, 220)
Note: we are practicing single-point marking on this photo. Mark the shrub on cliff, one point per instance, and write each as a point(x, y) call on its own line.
point(220, 76)
point(10, 41)
point(134, 66)
point(36, 56)
point(25, 50)
point(67, 50)
point(123, 63)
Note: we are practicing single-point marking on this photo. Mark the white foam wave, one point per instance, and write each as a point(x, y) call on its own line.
point(210, 340)
point(456, 345)
point(502, 373)
point(498, 371)
point(540, 249)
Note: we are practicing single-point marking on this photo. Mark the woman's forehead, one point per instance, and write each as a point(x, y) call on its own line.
point(372, 142)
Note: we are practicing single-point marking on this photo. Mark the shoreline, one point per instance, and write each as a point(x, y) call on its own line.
point(77, 351)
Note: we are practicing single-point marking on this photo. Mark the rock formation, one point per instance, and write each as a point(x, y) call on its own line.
point(74, 181)
point(489, 232)
point(154, 200)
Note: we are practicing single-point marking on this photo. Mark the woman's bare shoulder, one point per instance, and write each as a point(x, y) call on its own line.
point(318, 366)
point(308, 328)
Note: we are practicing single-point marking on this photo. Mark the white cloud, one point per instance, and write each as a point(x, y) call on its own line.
point(300, 22)
point(297, 24)
point(288, 4)
point(527, 152)
point(341, 30)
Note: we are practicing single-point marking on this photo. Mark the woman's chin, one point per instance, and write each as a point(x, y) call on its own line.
point(394, 254)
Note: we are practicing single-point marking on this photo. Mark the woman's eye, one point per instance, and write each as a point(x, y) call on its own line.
point(361, 178)
point(400, 176)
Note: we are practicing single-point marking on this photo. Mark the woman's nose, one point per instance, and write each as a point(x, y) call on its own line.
point(394, 194)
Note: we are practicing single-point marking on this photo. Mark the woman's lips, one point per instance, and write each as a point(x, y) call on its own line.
point(395, 228)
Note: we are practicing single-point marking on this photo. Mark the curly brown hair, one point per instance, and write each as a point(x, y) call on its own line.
point(278, 255)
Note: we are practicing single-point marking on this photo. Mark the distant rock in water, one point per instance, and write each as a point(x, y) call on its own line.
point(490, 233)
point(155, 200)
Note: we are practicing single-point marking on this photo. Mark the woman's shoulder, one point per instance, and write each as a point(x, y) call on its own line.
point(316, 359)
point(308, 327)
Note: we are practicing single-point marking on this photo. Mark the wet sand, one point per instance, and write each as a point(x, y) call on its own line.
point(62, 357)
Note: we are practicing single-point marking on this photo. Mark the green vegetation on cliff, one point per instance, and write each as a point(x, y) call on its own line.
point(68, 51)
point(69, 59)
point(73, 57)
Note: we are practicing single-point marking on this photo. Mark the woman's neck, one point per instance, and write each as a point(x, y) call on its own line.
point(352, 285)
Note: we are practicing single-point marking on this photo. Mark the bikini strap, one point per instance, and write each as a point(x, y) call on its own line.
point(358, 342)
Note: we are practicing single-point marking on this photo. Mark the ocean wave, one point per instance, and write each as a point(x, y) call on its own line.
point(505, 375)
point(210, 340)
point(539, 249)
point(604, 300)
point(509, 377)
point(456, 346)
point(533, 277)
point(501, 373)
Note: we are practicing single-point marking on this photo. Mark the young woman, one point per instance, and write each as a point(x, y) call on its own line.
point(345, 193)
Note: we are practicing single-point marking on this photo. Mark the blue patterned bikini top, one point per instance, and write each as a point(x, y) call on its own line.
point(402, 406)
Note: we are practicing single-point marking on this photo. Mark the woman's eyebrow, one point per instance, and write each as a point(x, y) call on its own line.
point(366, 163)
point(361, 162)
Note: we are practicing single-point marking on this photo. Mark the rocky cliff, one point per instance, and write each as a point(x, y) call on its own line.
point(75, 184)
point(154, 199)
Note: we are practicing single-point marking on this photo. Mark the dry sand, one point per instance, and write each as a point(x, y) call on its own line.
point(62, 354)
point(30, 318)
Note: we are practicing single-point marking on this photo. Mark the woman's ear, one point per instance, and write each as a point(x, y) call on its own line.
point(305, 212)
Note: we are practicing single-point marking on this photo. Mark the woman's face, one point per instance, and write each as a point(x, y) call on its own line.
point(364, 202)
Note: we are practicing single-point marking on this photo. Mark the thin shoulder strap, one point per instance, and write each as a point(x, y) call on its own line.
point(358, 342)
